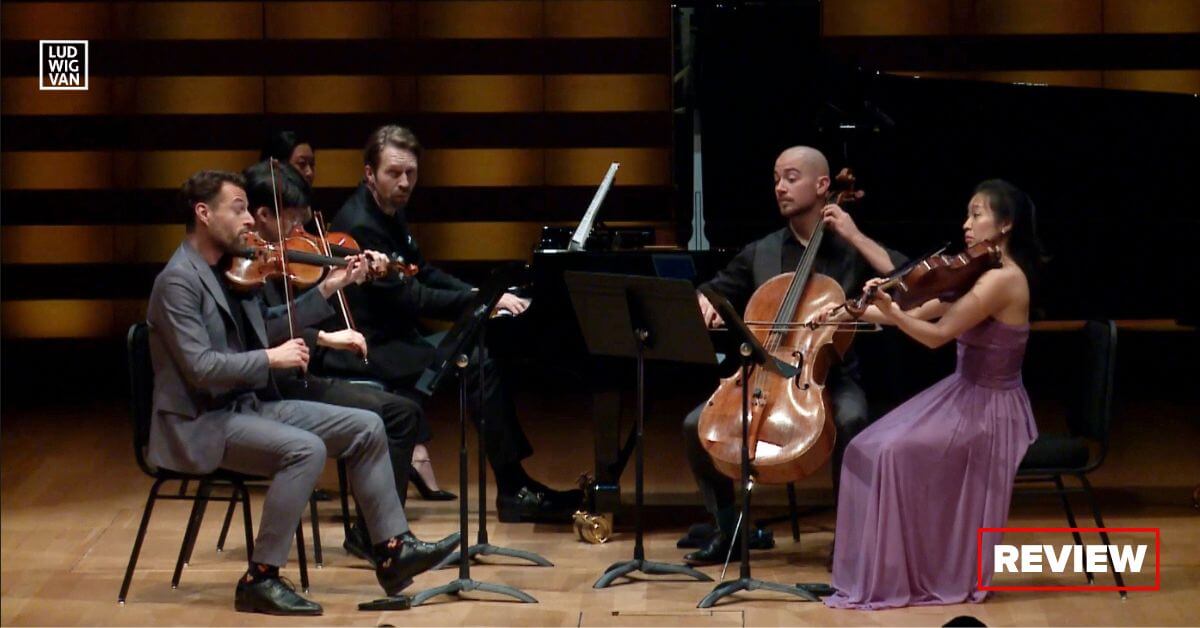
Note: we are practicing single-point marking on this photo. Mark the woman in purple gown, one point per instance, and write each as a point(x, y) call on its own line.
point(919, 482)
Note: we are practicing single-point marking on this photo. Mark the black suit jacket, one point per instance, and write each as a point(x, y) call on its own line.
point(387, 311)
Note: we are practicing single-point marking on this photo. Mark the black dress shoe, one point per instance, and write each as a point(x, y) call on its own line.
point(697, 536)
point(427, 493)
point(406, 556)
point(700, 534)
point(358, 544)
point(530, 505)
point(819, 589)
point(322, 495)
point(272, 596)
point(713, 553)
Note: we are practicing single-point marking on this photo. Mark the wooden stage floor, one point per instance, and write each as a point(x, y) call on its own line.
point(72, 497)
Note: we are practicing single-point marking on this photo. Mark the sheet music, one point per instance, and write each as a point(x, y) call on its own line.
point(585, 226)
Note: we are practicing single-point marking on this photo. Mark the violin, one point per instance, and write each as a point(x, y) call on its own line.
point(935, 276)
point(791, 429)
point(338, 244)
point(259, 261)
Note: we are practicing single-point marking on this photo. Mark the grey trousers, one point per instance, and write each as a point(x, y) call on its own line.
point(288, 441)
point(850, 417)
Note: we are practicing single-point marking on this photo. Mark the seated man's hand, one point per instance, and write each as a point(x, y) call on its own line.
point(709, 313)
point(345, 340)
point(512, 303)
point(291, 354)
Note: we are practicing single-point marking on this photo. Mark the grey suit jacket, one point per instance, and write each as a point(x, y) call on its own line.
point(197, 374)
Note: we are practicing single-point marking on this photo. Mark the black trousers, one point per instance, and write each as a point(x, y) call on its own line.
point(503, 436)
point(717, 490)
point(402, 417)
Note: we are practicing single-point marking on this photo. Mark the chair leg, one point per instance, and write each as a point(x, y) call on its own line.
point(247, 523)
point(183, 487)
point(344, 490)
point(316, 531)
point(233, 502)
point(203, 494)
point(301, 556)
point(189, 532)
point(137, 543)
point(1087, 490)
point(1062, 495)
point(793, 511)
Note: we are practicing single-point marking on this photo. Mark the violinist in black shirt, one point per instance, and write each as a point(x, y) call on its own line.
point(403, 419)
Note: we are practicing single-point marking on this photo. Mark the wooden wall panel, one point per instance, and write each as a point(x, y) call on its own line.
point(1027, 17)
point(474, 241)
point(56, 20)
point(472, 93)
point(70, 318)
point(478, 19)
point(607, 18)
point(57, 170)
point(23, 98)
point(328, 20)
point(482, 167)
point(1177, 81)
point(1151, 16)
point(608, 92)
point(197, 95)
point(329, 94)
point(885, 17)
point(190, 20)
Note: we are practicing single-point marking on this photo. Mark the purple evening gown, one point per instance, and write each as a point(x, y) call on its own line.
point(919, 482)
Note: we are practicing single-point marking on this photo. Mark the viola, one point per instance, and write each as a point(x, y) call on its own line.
point(935, 276)
point(791, 429)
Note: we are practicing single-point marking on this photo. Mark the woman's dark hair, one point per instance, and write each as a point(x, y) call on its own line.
point(293, 190)
point(281, 144)
point(1009, 204)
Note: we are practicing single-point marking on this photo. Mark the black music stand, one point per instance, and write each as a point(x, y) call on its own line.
point(452, 354)
point(751, 352)
point(482, 547)
point(645, 318)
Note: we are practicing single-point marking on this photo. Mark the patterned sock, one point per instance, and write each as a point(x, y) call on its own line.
point(260, 571)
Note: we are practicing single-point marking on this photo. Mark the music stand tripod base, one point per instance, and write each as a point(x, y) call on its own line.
point(624, 568)
point(464, 582)
point(464, 585)
point(487, 549)
point(729, 587)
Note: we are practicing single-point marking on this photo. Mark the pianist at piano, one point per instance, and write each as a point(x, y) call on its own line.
point(387, 312)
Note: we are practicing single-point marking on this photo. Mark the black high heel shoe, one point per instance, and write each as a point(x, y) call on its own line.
point(427, 493)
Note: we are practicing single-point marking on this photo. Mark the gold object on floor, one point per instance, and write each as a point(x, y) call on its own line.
point(593, 528)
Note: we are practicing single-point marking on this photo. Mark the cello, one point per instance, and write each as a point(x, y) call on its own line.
point(791, 429)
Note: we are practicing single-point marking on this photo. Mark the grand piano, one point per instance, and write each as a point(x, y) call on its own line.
point(1111, 172)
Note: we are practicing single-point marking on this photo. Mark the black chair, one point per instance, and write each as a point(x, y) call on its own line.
point(141, 379)
point(1089, 416)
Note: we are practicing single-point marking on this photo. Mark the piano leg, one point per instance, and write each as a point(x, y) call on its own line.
point(606, 484)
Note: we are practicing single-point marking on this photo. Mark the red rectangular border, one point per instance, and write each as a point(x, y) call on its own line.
point(1157, 560)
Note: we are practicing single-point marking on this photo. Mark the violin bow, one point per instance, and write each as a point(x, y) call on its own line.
point(319, 220)
point(288, 294)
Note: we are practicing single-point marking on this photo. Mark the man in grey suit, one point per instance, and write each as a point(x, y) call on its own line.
point(216, 405)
